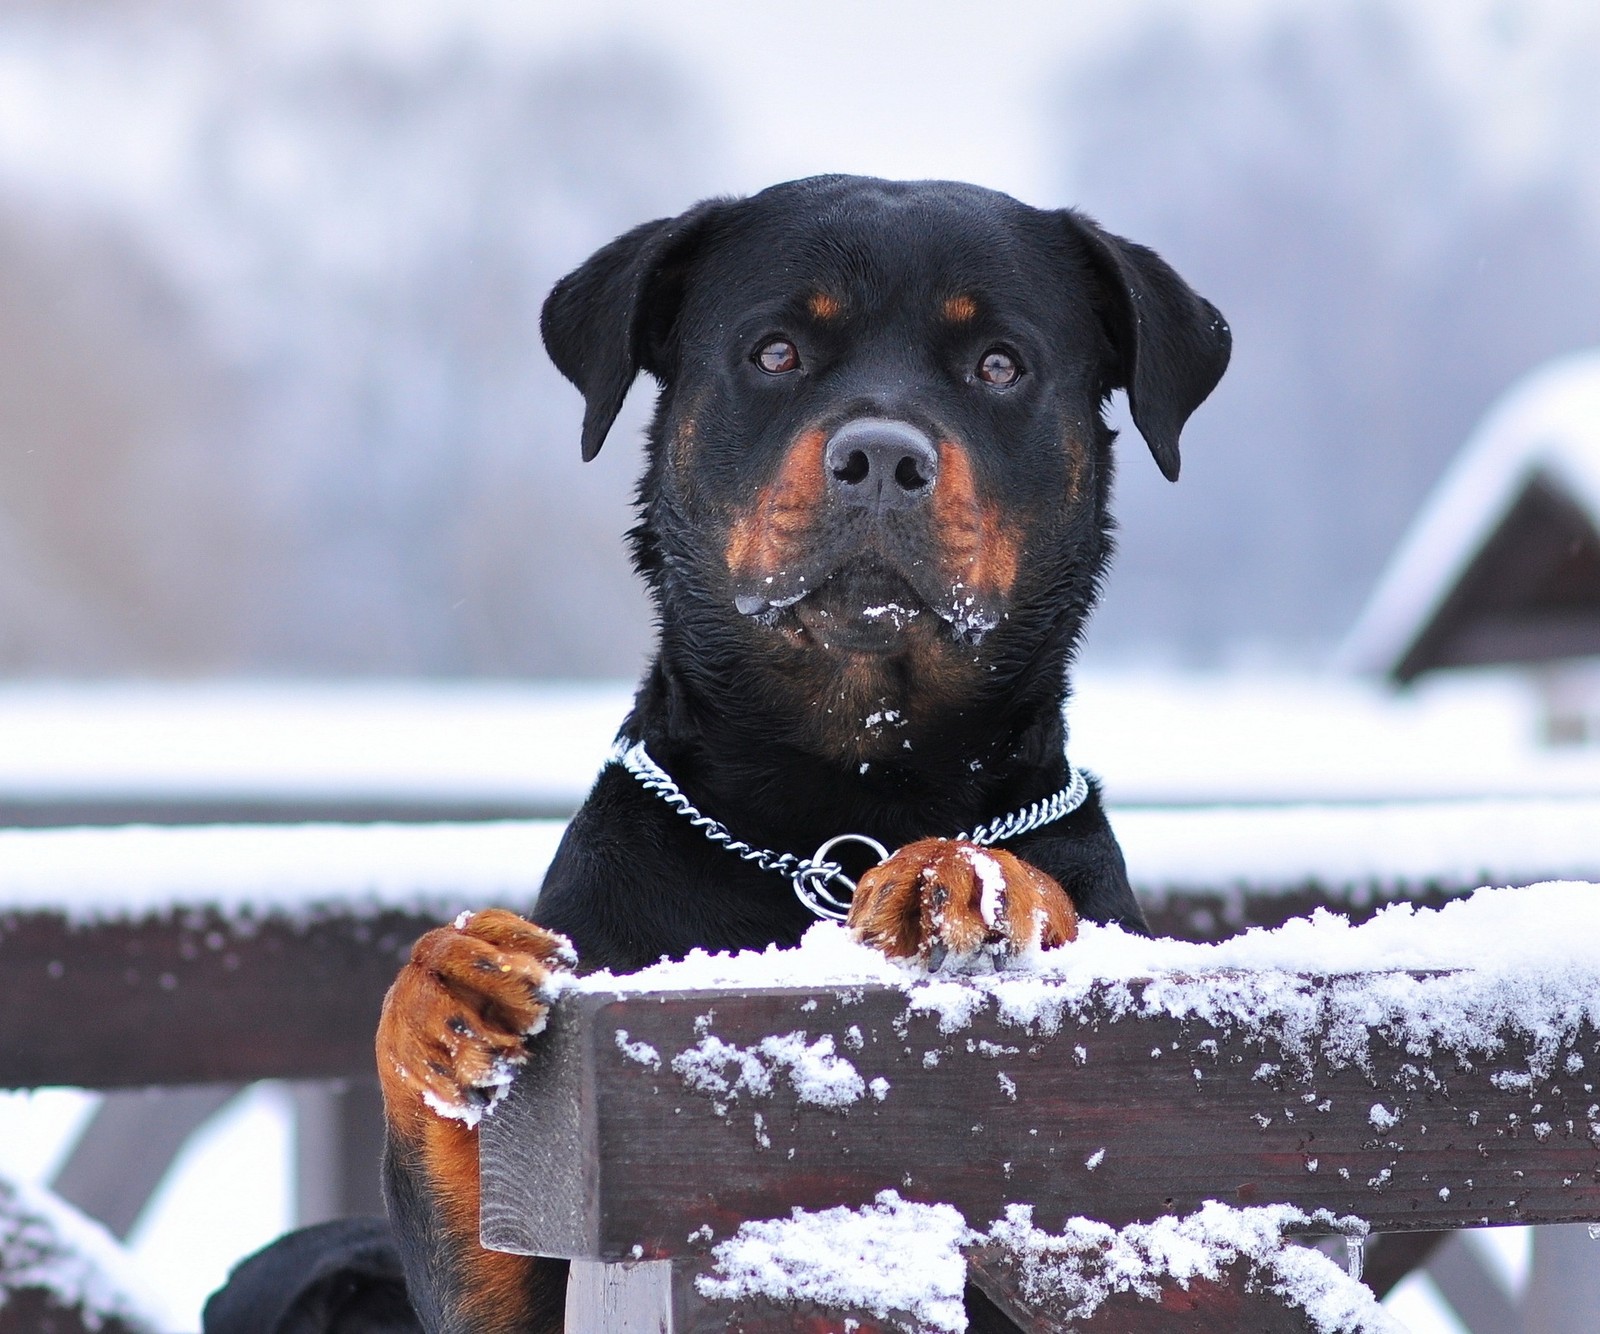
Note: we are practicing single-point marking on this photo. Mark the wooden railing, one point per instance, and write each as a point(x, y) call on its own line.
point(627, 1141)
point(197, 997)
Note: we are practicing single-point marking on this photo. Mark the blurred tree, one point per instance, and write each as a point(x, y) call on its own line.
point(274, 393)
point(1394, 206)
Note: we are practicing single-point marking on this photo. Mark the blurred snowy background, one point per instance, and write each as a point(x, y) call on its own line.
point(272, 399)
point(273, 404)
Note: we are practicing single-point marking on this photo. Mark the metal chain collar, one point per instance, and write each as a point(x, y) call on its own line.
point(814, 877)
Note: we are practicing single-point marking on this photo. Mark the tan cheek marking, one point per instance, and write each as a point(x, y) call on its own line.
point(960, 309)
point(980, 545)
point(1077, 469)
point(683, 443)
point(759, 539)
point(824, 307)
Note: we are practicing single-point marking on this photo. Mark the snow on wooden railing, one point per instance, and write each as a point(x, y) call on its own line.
point(144, 955)
point(62, 1272)
point(1124, 1126)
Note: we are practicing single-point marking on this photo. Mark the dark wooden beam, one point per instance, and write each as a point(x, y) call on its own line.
point(1212, 914)
point(197, 996)
point(39, 1311)
point(1233, 1302)
point(193, 997)
point(1118, 1119)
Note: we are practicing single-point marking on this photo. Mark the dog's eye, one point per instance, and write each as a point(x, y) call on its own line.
point(999, 368)
point(778, 357)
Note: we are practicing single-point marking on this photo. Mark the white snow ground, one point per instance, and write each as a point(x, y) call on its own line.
point(1155, 738)
point(535, 744)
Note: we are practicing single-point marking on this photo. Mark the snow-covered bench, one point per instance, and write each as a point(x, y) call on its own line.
point(1122, 1133)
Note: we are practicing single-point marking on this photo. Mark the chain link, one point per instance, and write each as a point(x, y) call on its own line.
point(814, 877)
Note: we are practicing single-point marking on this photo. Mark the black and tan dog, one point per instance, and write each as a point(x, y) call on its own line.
point(873, 520)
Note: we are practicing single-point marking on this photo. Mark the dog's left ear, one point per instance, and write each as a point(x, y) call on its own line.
point(1172, 344)
point(612, 316)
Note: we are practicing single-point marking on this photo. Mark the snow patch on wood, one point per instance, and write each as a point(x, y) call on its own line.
point(1460, 979)
point(47, 1245)
point(896, 1258)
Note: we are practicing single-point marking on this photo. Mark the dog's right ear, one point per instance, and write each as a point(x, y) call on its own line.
point(1172, 344)
point(612, 316)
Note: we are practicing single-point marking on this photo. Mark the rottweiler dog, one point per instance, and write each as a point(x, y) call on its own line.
point(873, 520)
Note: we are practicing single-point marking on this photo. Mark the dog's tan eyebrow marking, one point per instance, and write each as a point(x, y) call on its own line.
point(959, 309)
point(823, 306)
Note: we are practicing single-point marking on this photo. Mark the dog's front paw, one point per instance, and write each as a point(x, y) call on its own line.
point(950, 903)
point(456, 1018)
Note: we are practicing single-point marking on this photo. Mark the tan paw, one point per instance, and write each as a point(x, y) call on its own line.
point(954, 904)
point(456, 1018)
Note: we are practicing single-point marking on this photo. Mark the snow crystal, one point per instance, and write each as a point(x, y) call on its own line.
point(888, 1257)
point(816, 1073)
point(490, 1089)
point(46, 1244)
point(642, 1052)
point(1458, 978)
point(1382, 1118)
point(992, 880)
point(465, 1113)
point(1088, 1262)
point(893, 1258)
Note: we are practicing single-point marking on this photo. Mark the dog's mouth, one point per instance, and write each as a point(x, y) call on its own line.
point(867, 606)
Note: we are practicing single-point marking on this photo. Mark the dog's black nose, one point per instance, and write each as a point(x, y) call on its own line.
point(878, 464)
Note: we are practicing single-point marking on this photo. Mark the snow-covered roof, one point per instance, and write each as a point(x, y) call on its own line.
point(1547, 427)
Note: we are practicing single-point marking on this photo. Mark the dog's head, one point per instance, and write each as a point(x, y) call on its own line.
point(879, 463)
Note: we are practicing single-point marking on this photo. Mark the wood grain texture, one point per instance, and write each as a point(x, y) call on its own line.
point(1179, 1112)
